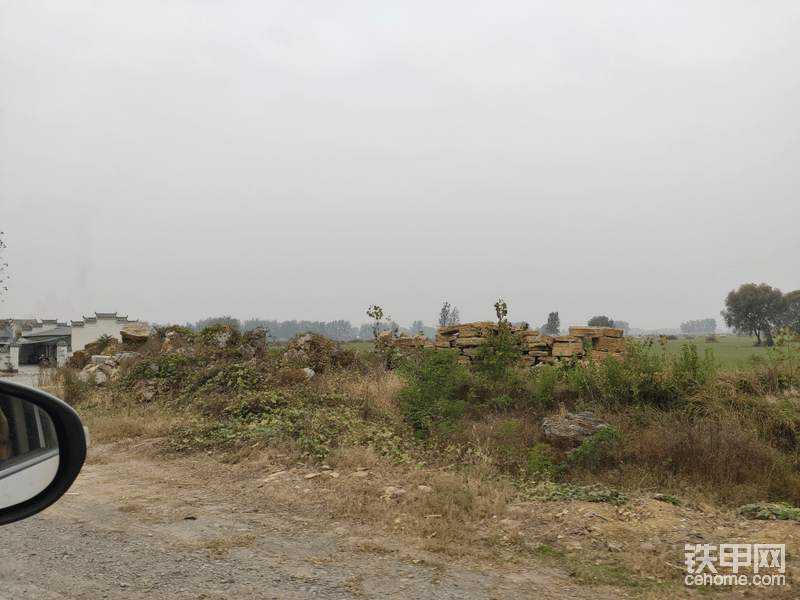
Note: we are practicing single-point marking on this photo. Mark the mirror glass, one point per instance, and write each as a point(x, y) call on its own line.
point(28, 450)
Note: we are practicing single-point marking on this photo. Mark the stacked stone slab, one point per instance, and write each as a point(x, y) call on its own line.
point(605, 340)
point(406, 344)
point(537, 348)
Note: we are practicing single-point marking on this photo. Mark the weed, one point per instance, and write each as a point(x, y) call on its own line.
point(780, 511)
point(427, 403)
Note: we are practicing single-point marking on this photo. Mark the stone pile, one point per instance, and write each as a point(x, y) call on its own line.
point(537, 348)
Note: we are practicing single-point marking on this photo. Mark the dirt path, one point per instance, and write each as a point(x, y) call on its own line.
point(137, 525)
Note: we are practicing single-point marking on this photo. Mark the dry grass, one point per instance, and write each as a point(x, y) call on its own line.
point(112, 417)
point(711, 459)
point(379, 388)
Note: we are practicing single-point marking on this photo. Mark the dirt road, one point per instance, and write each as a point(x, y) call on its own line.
point(137, 525)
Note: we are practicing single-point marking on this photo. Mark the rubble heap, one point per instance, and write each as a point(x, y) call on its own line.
point(537, 348)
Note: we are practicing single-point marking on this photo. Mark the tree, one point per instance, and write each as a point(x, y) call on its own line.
point(2, 266)
point(448, 316)
point(553, 325)
point(755, 310)
point(600, 321)
point(792, 318)
point(622, 325)
point(416, 327)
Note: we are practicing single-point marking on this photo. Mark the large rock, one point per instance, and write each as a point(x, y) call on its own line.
point(609, 344)
point(568, 349)
point(450, 329)
point(571, 428)
point(587, 332)
point(470, 341)
point(135, 332)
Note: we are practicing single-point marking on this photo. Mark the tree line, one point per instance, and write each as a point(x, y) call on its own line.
point(700, 327)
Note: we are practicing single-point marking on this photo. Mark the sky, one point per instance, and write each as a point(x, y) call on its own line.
point(177, 160)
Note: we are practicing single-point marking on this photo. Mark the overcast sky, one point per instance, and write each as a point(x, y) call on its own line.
point(173, 161)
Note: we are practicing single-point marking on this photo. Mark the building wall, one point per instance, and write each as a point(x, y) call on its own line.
point(90, 331)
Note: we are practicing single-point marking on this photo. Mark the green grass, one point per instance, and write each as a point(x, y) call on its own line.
point(731, 351)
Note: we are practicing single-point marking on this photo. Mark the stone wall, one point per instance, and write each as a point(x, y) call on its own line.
point(537, 348)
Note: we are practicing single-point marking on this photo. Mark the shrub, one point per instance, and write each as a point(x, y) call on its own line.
point(501, 353)
point(712, 339)
point(427, 403)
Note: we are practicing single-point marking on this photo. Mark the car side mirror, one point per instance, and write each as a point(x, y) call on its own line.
point(42, 450)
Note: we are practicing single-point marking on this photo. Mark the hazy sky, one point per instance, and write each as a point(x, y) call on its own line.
point(304, 159)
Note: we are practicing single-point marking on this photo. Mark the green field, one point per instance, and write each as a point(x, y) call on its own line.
point(731, 351)
point(361, 346)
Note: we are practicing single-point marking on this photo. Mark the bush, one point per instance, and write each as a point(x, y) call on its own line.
point(427, 403)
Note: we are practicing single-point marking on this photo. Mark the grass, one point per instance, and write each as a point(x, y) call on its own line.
point(671, 419)
point(730, 352)
point(361, 346)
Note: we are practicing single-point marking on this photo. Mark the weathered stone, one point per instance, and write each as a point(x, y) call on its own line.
point(146, 388)
point(463, 360)
point(310, 374)
point(538, 353)
point(613, 332)
point(246, 352)
point(587, 332)
point(529, 335)
point(547, 339)
point(469, 332)
point(535, 345)
point(307, 339)
point(442, 345)
point(449, 329)
point(135, 332)
point(470, 341)
point(568, 338)
point(470, 350)
point(429, 346)
point(609, 344)
point(486, 325)
point(568, 349)
point(129, 356)
point(444, 338)
point(385, 336)
point(571, 428)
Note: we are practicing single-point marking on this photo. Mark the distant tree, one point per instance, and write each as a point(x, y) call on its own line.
point(226, 320)
point(448, 316)
point(365, 331)
point(455, 318)
point(755, 310)
point(600, 321)
point(553, 325)
point(416, 327)
point(444, 315)
point(700, 327)
point(622, 325)
point(792, 318)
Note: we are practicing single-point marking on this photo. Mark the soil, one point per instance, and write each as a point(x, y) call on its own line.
point(141, 524)
point(137, 524)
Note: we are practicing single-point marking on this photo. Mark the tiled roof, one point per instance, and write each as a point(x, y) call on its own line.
point(106, 315)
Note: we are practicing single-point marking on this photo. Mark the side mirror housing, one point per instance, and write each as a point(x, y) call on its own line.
point(42, 450)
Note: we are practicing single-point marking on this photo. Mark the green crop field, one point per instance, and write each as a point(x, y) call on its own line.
point(361, 346)
point(731, 351)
